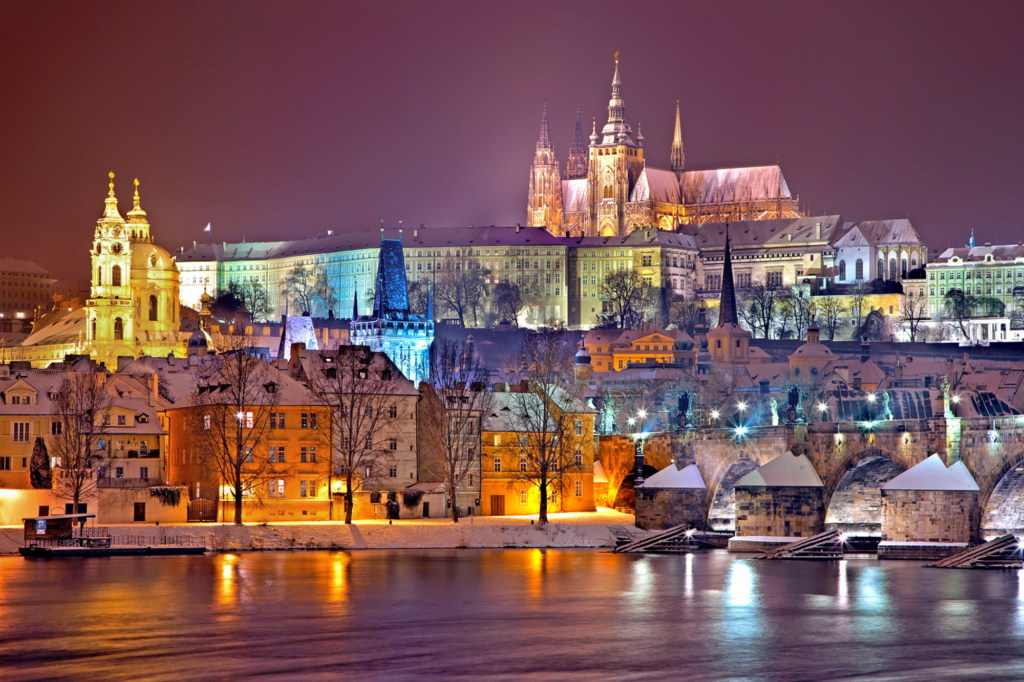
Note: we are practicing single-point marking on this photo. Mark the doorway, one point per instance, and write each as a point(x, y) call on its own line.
point(140, 511)
point(497, 505)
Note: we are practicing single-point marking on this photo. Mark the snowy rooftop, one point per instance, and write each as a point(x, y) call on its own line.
point(786, 470)
point(932, 474)
point(880, 233)
point(22, 267)
point(674, 477)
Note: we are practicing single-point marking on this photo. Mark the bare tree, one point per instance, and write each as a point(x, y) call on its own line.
point(628, 297)
point(79, 409)
point(959, 309)
point(254, 297)
point(686, 314)
point(799, 311)
point(231, 401)
point(459, 289)
point(546, 411)
point(510, 302)
point(761, 307)
point(324, 294)
point(913, 311)
point(299, 286)
point(457, 399)
point(858, 296)
point(418, 294)
point(356, 389)
point(829, 310)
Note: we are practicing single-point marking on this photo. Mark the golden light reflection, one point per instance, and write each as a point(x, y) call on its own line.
point(227, 589)
point(688, 577)
point(843, 598)
point(339, 577)
point(536, 566)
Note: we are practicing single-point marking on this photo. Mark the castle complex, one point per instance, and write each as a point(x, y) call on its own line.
point(610, 190)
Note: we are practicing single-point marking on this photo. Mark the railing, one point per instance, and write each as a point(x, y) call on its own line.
point(154, 541)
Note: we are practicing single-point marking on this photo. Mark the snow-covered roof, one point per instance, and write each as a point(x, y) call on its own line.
point(674, 477)
point(757, 234)
point(1011, 253)
point(13, 266)
point(786, 470)
point(733, 184)
point(59, 327)
point(932, 474)
point(575, 195)
point(880, 233)
point(656, 184)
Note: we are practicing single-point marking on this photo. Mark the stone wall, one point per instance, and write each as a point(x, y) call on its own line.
point(927, 515)
point(661, 508)
point(791, 511)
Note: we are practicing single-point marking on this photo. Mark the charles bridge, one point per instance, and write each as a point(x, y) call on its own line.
point(853, 460)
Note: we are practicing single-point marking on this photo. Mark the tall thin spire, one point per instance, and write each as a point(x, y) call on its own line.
point(727, 308)
point(355, 299)
point(110, 203)
point(616, 130)
point(576, 166)
point(678, 157)
point(544, 141)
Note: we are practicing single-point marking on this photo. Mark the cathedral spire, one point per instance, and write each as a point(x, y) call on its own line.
point(544, 141)
point(576, 166)
point(678, 157)
point(136, 216)
point(727, 308)
point(616, 130)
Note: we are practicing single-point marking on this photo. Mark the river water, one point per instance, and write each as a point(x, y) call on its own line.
point(505, 614)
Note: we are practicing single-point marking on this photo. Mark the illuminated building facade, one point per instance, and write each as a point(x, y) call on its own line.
point(620, 193)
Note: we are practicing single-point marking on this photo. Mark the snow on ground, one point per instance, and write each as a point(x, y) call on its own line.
point(587, 529)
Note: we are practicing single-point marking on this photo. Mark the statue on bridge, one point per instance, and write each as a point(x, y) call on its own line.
point(774, 405)
point(886, 410)
point(795, 411)
point(685, 410)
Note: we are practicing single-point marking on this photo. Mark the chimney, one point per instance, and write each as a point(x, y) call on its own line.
point(856, 383)
point(298, 352)
point(817, 230)
point(764, 386)
point(517, 228)
point(415, 234)
point(865, 349)
point(154, 388)
point(898, 372)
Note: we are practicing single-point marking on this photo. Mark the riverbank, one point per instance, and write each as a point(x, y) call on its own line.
point(591, 530)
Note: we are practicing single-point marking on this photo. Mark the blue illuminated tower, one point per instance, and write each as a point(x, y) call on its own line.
point(391, 328)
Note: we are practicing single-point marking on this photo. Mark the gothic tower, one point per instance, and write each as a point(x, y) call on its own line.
point(111, 316)
point(678, 157)
point(544, 208)
point(615, 164)
point(576, 165)
point(729, 343)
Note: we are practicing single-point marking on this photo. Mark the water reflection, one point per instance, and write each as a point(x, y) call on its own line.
point(552, 614)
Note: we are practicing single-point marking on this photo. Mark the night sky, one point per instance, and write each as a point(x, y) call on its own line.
point(278, 120)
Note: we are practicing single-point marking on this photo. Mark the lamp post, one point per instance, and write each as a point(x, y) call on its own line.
point(638, 445)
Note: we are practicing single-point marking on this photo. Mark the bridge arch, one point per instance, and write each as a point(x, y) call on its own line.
point(1001, 498)
point(853, 488)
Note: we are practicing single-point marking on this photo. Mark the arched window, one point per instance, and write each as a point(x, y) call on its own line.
point(115, 276)
point(892, 269)
point(99, 276)
point(118, 329)
point(152, 308)
point(93, 330)
point(842, 271)
point(903, 268)
point(859, 270)
point(880, 272)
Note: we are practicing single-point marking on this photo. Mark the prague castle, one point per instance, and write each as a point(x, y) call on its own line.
point(132, 309)
point(609, 190)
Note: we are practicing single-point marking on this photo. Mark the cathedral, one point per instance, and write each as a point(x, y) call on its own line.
point(132, 309)
point(609, 189)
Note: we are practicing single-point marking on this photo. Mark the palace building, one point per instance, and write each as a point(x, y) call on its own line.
point(132, 309)
point(610, 190)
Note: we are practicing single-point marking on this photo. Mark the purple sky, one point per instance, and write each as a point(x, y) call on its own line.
point(276, 120)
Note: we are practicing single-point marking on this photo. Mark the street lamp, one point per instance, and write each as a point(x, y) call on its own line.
point(638, 446)
point(823, 408)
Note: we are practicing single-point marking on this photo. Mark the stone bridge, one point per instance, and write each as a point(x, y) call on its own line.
point(854, 461)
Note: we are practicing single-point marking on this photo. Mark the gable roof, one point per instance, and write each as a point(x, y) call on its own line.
point(673, 477)
point(656, 184)
point(786, 470)
point(932, 474)
point(733, 184)
point(880, 233)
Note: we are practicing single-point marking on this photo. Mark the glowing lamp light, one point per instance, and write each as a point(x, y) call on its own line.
point(839, 438)
point(955, 399)
point(690, 531)
point(869, 425)
point(906, 437)
point(631, 421)
point(741, 405)
point(842, 538)
point(714, 414)
point(823, 407)
point(871, 398)
point(642, 413)
point(741, 431)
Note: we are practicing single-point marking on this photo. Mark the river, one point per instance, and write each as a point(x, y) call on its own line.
point(505, 614)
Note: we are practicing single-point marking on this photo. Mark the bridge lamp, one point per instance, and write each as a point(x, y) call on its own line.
point(714, 414)
point(741, 431)
point(871, 398)
point(869, 425)
point(842, 538)
point(631, 421)
point(741, 406)
point(906, 437)
point(240, 416)
point(642, 414)
point(955, 399)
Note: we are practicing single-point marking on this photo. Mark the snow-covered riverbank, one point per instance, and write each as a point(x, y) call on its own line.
point(596, 530)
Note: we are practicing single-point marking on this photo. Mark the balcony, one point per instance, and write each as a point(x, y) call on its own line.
point(123, 483)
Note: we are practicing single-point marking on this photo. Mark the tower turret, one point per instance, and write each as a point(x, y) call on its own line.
point(544, 206)
point(576, 165)
point(678, 157)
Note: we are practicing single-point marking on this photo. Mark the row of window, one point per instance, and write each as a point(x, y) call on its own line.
point(307, 488)
point(523, 468)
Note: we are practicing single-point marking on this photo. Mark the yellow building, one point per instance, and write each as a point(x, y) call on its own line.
point(508, 486)
point(132, 308)
point(611, 350)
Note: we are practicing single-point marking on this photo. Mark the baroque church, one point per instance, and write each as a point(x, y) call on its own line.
point(132, 309)
point(609, 189)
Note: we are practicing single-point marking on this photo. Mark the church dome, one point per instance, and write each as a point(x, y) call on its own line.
point(151, 257)
point(582, 357)
point(684, 342)
point(812, 349)
point(199, 341)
